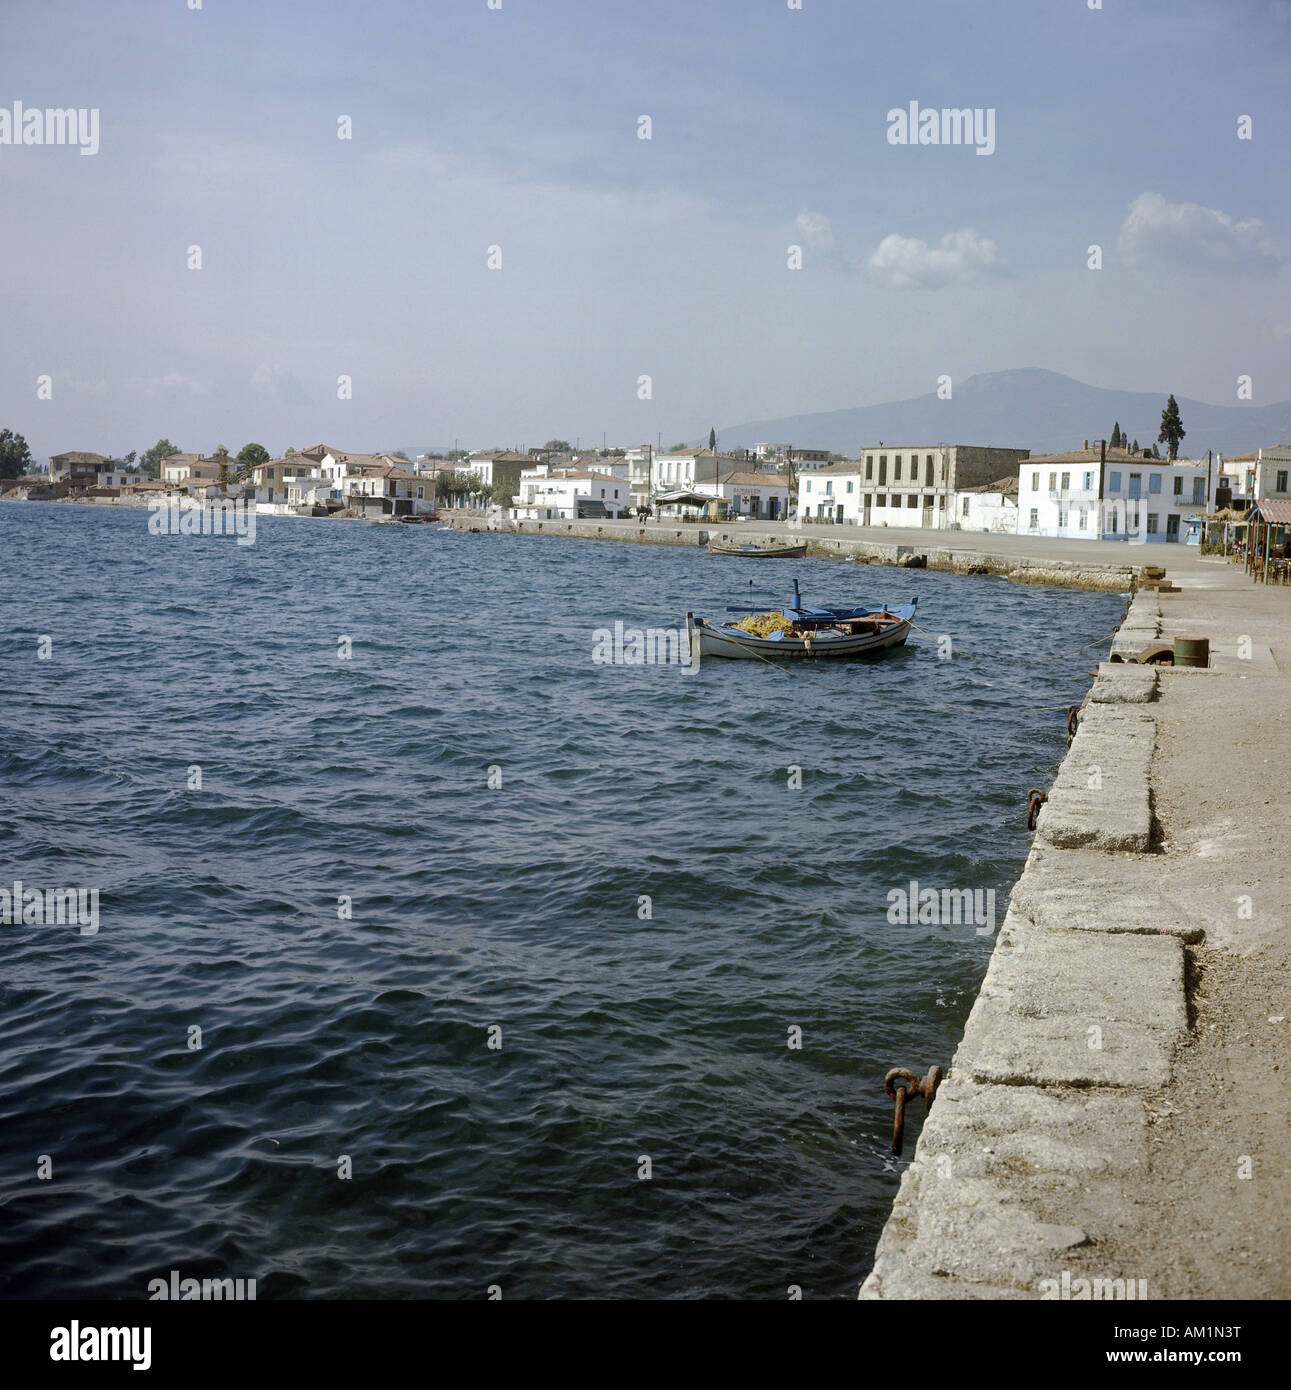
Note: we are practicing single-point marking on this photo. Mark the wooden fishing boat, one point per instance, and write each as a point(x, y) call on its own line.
point(759, 552)
point(805, 633)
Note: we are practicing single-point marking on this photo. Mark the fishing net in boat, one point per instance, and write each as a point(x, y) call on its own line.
point(764, 624)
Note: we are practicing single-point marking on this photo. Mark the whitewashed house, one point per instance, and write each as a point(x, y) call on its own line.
point(988, 507)
point(1262, 476)
point(1110, 494)
point(831, 492)
point(551, 494)
point(761, 496)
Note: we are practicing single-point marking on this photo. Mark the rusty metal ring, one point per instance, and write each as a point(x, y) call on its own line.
point(1035, 799)
point(905, 1074)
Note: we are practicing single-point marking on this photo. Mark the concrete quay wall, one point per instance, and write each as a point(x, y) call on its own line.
point(1030, 1152)
point(932, 554)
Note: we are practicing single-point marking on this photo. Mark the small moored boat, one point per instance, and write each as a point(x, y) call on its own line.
point(760, 552)
point(796, 632)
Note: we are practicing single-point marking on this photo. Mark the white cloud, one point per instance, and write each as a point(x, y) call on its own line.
point(277, 383)
point(1191, 236)
point(907, 263)
point(815, 229)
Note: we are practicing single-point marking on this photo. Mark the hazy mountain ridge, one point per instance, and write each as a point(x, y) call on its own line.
point(1028, 408)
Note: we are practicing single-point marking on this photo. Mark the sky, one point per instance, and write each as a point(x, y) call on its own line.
point(513, 133)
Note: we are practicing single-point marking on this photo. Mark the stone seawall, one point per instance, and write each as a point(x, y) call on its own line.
point(936, 555)
point(1028, 1155)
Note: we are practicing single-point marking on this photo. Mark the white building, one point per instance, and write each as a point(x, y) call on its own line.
point(787, 453)
point(496, 466)
point(1262, 476)
point(831, 492)
point(640, 460)
point(987, 507)
point(1091, 494)
point(565, 494)
point(684, 468)
point(764, 496)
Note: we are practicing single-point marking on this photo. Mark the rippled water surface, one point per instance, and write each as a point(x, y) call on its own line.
point(517, 907)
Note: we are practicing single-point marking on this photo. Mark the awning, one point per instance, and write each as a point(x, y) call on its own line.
point(685, 498)
point(1275, 510)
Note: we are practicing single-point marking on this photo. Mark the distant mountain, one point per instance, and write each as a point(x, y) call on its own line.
point(1030, 408)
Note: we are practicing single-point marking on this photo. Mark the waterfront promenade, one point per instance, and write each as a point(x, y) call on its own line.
point(1118, 1107)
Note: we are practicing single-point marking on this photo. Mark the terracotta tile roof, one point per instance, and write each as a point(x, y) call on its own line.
point(744, 479)
point(77, 456)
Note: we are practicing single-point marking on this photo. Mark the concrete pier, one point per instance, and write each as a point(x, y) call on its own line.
point(1118, 1107)
point(1103, 565)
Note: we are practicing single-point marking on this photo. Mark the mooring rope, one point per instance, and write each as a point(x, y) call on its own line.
point(1017, 661)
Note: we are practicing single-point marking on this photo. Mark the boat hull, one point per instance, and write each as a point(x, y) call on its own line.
point(739, 646)
point(759, 552)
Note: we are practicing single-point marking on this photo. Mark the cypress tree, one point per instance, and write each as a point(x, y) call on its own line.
point(1172, 430)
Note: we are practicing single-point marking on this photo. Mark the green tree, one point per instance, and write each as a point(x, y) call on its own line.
point(454, 482)
point(712, 440)
point(559, 446)
point(222, 458)
point(15, 456)
point(1172, 430)
point(151, 460)
point(253, 454)
point(1134, 448)
point(677, 448)
point(1117, 441)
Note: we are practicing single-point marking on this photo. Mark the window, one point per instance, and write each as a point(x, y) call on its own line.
point(869, 467)
point(896, 467)
point(1035, 515)
point(1152, 523)
point(1082, 521)
point(1111, 522)
point(849, 485)
point(1066, 481)
point(1035, 482)
point(421, 493)
point(829, 488)
point(1113, 482)
point(1198, 491)
point(1282, 480)
point(1062, 517)
point(1089, 482)
point(928, 471)
point(881, 500)
point(808, 484)
point(1154, 482)
point(912, 500)
point(1053, 481)
point(1178, 487)
point(967, 500)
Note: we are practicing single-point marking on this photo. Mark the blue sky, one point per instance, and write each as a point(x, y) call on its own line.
point(623, 257)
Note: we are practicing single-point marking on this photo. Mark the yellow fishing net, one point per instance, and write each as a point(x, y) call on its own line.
point(764, 624)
